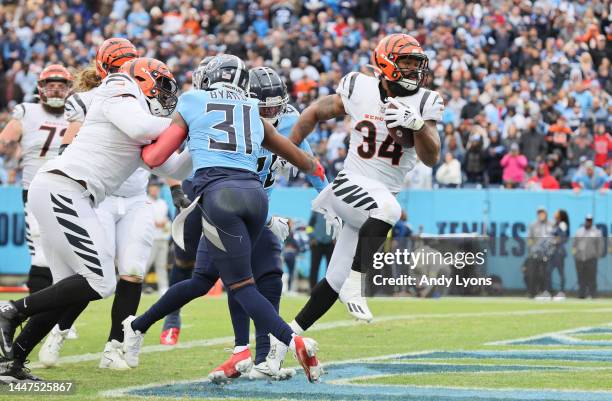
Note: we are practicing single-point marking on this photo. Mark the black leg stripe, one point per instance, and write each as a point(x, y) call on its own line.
point(78, 242)
point(345, 190)
point(61, 208)
point(372, 206)
point(89, 258)
point(365, 201)
point(95, 270)
point(72, 227)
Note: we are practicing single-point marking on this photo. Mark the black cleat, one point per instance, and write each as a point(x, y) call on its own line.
point(9, 319)
point(14, 370)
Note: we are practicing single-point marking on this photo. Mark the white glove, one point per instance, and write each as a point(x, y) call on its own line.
point(280, 227)
point(403, 115)
point(282, 168)
point(333, 225)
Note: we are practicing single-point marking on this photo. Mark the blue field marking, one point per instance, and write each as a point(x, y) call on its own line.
point(335, 386)
point(565, 337)
point(560, 355)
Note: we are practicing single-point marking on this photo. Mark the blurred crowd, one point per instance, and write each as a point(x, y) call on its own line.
point(526, 83)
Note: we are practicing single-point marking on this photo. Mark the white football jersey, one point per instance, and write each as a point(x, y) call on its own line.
point(102, 155)
point(76, 109)
point(372, 151)
point(41, 137)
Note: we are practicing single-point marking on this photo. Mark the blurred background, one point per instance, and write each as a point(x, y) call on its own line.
point(526, 145)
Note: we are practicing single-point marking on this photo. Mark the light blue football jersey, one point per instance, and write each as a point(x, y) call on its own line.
point(225, 129)
point(266, 158)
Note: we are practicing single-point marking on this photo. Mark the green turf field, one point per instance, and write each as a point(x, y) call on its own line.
point(427, 349)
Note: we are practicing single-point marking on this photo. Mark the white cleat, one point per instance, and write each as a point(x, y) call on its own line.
point(305, 351)
point(112, 356)
point(132, 342)
point(276, 355)
point(262, 371)
point(350, 295)
point(49, 353)
point(72, 333)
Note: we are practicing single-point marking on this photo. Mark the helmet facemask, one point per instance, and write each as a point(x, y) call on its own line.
point(271, 109)
point(412, 78)
point(163, 100)
point(53, 92)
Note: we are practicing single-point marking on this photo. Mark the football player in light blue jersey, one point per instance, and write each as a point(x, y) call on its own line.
point(267, 86)
point(224, 135)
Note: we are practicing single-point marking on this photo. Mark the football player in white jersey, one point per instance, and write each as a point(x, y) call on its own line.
point(126, 216)
point(363, 194)
point(38, 128)
point(66, 191)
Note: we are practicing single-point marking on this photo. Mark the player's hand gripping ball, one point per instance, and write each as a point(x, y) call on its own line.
point(402, 121)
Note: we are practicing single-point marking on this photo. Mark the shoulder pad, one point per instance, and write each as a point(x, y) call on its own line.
point(119, 84)
point(19, 112)
point(346, 86)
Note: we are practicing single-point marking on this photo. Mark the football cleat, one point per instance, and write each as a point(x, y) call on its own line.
point(262, 371)
point(237, 365)
point(8, 323)
point(305, 351)
point(14, 371)
point(350, 295)
point(49, 352)
point(72, 333)
point(170, 336)
point(112, 357)
point(132, 342)
point(276, 355)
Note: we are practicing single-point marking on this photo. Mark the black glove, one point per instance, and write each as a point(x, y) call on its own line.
point(179, 198)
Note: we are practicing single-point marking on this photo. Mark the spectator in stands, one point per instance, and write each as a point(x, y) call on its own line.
point(532, 143)
point(473, 107)
point(587, 247)
point(514, 164)
point(590, 177)
point(602, 143)
point(542, 179)
point(581, 146)
point(495, 153)
point(448, 174)
point(558, 136)
point(474, 162)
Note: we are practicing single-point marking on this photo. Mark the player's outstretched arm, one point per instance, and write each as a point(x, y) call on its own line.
point(166, 143)
point(10, 134)
point(427, 143)
point(278, 144)
point(325, 108)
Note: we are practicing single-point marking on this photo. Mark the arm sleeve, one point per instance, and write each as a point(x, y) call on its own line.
point(178, 167)
point(74, 109)
point(316, 182)
point(126, 113)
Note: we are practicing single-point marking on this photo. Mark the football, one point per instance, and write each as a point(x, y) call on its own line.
point(401, 135)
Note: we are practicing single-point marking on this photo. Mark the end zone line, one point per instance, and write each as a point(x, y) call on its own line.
point(331, 326)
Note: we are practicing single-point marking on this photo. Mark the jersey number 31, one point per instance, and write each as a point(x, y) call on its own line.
point(228, 126)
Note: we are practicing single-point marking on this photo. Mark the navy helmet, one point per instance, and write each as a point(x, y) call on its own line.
point(198, 73)
point(266, 85)
point(225, 71)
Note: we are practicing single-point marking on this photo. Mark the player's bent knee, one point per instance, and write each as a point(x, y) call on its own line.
point(335, 279)
point(388, 211)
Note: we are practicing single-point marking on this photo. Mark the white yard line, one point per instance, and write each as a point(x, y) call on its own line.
point(331, 326)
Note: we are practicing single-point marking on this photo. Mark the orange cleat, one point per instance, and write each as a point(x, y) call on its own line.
point(237, 365)
point(170, 336)
point(305, 350)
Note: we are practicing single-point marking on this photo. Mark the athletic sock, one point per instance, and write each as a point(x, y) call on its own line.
point(271, 287)
point(37, 327)
point(372, 235)
point(177, 296)
point(239, 348)
point(240, 322)
point(177, 274)
point(262, 312)
point(297, 329)
point(69, 291)
point(39, 278)
point(321, 300)
point(127, 298)
point(70, 315)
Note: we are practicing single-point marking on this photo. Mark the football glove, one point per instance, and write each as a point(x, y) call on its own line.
point(403, 115)
point(179, 198)
point(333, 225)
point(282, 168)
point(280, 227)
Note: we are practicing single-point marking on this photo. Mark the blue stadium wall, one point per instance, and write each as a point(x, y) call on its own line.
point(506, 213)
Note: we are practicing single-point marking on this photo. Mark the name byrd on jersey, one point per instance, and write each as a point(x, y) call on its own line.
point(372, 150)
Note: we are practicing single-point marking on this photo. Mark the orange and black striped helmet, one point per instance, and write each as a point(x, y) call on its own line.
point(55, 97)
point(156, 82)
point(394, 47)
point(111, 55)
